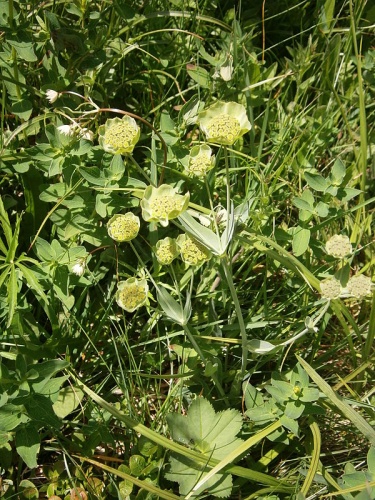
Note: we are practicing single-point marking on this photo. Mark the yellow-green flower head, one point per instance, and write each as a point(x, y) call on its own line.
point(119, 135)
point(330, 288)
point(192, 252)
point(131, 294)
point(123, 227)
point(359, 286)
point(339, 246)
point(162, 204)
point(200, 160)
point(166, 251)
point(224, 122)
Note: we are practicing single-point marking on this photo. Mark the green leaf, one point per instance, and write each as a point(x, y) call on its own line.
point(171, 308)
point(301, 239)
point(11, 416)
point(326, 15)
point(290, 424)
point(68, 400)
point(302, 204)
point(23, 108)
point(213, 435)
point(322, 209)
point(362, 425)
point(12, 294)
point(338, 172)
point(40, 410)
point(28, 444)
point(316, 181)
point(136, 464)
point(25, 50)
point(199, 75)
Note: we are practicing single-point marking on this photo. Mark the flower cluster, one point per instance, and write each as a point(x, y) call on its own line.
point(163, 204)
point(119, 135)
point(123, 227)
point(358, 286)
point(339, 246)
point(201, 160)
point(192, 252)
point(224, 122)
point(132, 294)
point(166, 251)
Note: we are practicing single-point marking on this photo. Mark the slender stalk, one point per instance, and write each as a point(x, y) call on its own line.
point(232, 288)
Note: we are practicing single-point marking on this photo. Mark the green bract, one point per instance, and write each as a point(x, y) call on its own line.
point(192, 252)
point(166, 251)
point(224, 122)
point(131, 294)
point(161, 204)
point(123, 227)
point(200, 160)
point(119, 135)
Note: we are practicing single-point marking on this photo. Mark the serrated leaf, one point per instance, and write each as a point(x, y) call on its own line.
point(213, 434)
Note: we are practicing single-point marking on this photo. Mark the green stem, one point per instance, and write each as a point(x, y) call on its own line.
point(228, 276)
point(140, 170)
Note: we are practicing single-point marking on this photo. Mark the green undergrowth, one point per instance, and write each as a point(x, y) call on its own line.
point(187, 250)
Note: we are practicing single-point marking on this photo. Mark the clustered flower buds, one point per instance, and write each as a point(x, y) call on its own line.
point(192, 252)
point(330, 288)
point(163, 204)
point(339, 246)
point(166, 251)
point(132, 294)
point(358, 286)
point(224, 122)
point(200, 160)
point(119, 135)
point(123, 227)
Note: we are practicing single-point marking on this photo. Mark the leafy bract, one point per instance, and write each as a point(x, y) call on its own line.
point(214, 435)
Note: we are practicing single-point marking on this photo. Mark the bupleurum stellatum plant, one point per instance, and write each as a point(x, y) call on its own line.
point(186, 208)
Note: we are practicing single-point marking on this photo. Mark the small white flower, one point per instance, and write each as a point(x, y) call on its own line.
point(66, 129)
point(87, 134)
point(52, 95)
point(79, 267)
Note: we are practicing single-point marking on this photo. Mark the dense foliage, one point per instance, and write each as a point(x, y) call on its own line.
point(187, 249)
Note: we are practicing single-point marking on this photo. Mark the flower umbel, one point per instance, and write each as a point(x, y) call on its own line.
point(161, 204)
point(339, 246)
point(131, 294)
point(166, 251)
point(224, 122)
point(200, 160)
point(192, 252)
point(119, 135)
point(330, 288)
point(123, 227)
point(359, 286)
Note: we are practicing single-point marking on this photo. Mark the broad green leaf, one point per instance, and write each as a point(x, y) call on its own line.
point(316, 182)
point(25, 50)
point(136, 464)
point(39, 409)
point(28, 444)
point(301, 239)
point(11, 416)
point(322, 209)
point(213, 434)
point(302, 204)
point(68, 400)
point(23, 109)
point(199, 75)
point(338, 172)
point(260, 346)
point(326, 14)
